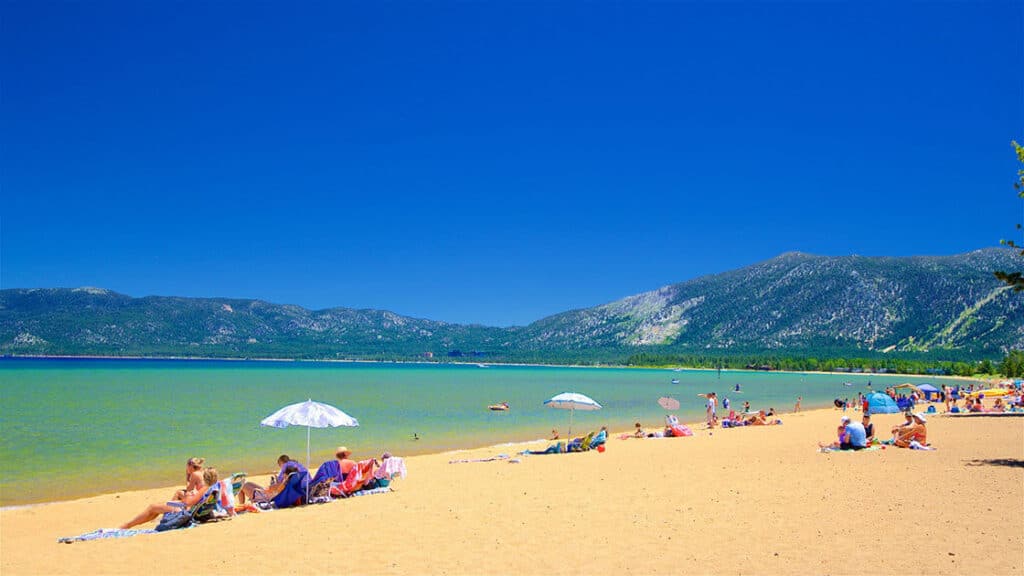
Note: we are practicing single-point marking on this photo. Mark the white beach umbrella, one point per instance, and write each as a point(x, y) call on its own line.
point(311, 415)
point(572, 402)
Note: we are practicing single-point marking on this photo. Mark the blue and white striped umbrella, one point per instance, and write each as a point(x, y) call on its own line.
point(572, 402)
point(311, 415)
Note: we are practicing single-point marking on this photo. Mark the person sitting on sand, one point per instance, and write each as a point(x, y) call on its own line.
point(869, 428)
point(914, 433)
point(896, 430)
point(977, 406)
point(193, 478)
point(554, 434)
point(639, 431)
point(841, 436)
point(998, 406)
point(851, 436)
point(257, 494)
point(154, 511)
point(600, 438)
point(335, 470)
point(284, 461)
point(856, 436)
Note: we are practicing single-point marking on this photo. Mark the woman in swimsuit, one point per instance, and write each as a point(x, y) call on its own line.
point(153, 511)
point(193, 478)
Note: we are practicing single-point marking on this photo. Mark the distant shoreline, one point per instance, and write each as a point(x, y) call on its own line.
point(488, 365)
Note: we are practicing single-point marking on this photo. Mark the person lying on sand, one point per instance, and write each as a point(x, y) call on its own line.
point(759, 419)
point(153, 511)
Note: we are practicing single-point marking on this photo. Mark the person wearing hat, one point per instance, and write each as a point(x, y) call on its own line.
point(856, 436)
point(335, 470)
point(915, 432)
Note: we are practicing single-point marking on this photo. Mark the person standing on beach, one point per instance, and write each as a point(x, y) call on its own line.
point(799, 399)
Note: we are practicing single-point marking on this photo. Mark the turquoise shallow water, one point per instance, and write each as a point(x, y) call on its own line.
point(95, 426)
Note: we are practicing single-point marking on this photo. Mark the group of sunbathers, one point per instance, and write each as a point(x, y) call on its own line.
point(291, 486)
point(761, 418)
point(591, 441)
point(859, 435)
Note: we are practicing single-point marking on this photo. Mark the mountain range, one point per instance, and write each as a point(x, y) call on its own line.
point(794, 303)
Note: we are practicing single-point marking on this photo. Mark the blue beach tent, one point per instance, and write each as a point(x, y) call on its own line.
point(929, 391)
point(879, 403)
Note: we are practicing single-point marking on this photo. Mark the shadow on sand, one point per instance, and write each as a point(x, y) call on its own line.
point(1009, 462)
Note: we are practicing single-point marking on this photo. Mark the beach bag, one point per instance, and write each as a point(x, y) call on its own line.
point(174, 520)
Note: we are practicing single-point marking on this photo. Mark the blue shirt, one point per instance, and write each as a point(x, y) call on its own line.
point(858, 437)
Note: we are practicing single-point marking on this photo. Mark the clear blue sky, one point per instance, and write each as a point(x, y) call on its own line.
point(494, 162)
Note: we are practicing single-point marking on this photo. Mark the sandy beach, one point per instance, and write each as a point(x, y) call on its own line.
point(756, 500)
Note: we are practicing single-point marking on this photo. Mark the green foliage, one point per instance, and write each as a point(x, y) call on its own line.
point(1013, 365)
point(903, 364)
point(1015, 279)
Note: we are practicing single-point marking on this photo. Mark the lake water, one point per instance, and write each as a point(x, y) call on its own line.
point(72, 428)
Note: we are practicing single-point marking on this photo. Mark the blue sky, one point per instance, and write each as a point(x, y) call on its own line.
point(494, 162)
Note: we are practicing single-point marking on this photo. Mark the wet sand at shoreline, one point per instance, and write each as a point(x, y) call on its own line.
point(755, 500)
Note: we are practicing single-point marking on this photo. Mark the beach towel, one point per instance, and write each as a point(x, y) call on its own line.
point(330, 470)
point(103, 534)
point(381, 490)
point(829, 449)
point(491, 459)
point(389, 468)
point(356, 479)
point(680, 430)
point(294, 493)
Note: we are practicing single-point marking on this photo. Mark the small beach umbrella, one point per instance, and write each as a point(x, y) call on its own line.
point(572, 402)
point(668, 403)
point(311, 415)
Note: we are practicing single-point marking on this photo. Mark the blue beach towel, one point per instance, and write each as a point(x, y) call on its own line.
point(103, 534)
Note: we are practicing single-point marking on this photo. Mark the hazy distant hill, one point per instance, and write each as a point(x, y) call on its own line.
point(792, 302)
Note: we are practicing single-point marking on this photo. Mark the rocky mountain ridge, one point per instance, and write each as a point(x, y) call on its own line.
point(794, 302)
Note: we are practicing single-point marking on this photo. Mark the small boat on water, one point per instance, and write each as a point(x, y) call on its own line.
point(675, 380)
point(499, 407)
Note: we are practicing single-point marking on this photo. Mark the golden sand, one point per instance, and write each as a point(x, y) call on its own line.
point(743, 501)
